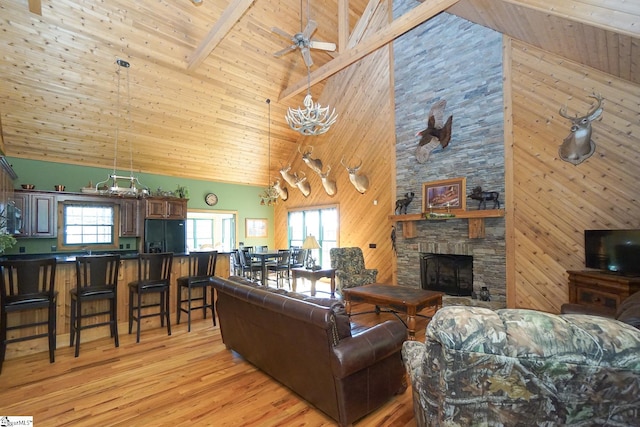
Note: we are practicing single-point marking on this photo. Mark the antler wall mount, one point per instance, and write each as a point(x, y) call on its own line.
point(578, 145)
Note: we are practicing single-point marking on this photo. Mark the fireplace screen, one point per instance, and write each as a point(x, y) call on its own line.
point(451, 274)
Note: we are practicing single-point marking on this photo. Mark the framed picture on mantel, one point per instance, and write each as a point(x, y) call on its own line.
point(448, 195)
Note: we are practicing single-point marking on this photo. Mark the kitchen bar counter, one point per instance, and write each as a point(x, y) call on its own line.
point(66, 279)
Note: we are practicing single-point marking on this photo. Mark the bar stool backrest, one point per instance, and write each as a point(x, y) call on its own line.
point(28, 277)
point(156, 266)
point(98, 271)
point(202, 263)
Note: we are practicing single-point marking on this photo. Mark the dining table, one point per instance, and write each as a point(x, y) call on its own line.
point(264, 258)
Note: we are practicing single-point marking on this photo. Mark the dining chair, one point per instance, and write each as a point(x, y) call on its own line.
point(202, 266)
point(281, 268)
point(296, 259)
point(27, 285)
point(250, 268)
point(154, 271)
point(96, 280)
point(235, 262)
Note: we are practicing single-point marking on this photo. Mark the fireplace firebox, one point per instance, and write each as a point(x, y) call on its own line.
point(451, 274)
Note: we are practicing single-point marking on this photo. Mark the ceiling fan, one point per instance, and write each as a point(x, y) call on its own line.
point(302, 40)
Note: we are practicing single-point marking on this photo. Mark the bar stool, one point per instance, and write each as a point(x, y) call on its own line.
point(202, 266)
point(154, 271)
point(28, 285)
point(96, 280)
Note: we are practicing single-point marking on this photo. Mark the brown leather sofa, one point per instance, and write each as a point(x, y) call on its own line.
point(305, 343)
point(628, 311)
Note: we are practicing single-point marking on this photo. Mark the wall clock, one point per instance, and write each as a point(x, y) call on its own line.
point(211, 199)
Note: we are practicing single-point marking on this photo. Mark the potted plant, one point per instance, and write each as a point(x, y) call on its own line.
point(6, 240)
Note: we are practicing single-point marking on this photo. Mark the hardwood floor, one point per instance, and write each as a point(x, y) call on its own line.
point(184, 379)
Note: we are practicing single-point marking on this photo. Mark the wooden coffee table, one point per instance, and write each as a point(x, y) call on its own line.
point(397, 298)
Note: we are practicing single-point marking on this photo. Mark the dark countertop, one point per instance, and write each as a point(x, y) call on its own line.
point(68, 257)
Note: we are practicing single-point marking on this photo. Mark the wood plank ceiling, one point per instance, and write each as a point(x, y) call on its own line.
point(200, 75)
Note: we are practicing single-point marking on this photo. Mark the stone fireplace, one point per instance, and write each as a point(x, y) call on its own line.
point(450, 239)
point(451, 274)
point(470, 79)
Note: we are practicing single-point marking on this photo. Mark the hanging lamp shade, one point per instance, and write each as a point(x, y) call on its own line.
point(115, 184)
point(269, 195)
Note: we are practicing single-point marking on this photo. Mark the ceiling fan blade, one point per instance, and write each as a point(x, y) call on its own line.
point(306, 55)
point(285, 50)
point(281, 33)
point(309, 29)
point(322, 45)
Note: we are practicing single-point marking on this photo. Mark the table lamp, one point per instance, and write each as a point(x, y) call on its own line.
point(309, 244)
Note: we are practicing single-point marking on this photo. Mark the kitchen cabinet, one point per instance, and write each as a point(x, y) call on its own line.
point(39, 214)
point(165, 208)
point(130, 218)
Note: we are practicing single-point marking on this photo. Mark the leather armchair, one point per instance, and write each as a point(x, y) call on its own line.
point(628, 311)
point(350, 269)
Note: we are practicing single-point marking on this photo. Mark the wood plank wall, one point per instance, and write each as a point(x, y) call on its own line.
point(363, 97)
point(552, 202)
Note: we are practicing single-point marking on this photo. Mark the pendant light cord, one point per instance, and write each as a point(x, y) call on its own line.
point(269, 138)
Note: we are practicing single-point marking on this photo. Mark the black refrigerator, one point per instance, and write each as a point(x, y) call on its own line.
point(165, 235)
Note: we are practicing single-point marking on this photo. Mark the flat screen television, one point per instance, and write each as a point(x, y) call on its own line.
point(615, 251)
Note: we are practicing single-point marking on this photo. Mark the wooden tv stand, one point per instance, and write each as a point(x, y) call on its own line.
point(600, 289)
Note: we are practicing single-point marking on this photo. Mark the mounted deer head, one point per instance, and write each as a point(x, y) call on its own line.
point(282, 191)
point(329, 185)
point(303, 185)
point(360, 182)
point(314, 164)
point(578, 146)
point(289, 177)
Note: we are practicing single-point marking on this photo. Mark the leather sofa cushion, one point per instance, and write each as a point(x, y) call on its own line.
point(343, 324)
point(629, 310)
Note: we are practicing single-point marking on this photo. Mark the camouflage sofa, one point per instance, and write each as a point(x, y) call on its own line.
point(515, 367)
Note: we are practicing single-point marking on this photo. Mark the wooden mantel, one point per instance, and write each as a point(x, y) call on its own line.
point(475, 219)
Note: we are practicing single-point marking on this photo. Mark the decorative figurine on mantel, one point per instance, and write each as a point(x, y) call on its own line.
point(484, 196)
point(402, 204)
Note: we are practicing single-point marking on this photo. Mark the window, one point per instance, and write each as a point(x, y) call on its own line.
point(85, 225)
point(209, 230)
point(321, 223)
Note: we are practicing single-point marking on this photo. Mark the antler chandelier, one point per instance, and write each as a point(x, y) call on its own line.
point(314, 119)
point(269, 196)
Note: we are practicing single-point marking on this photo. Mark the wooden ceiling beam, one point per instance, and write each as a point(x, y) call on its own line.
point(363, 23)
point(399, 26)
point(219, 31)
point(605, 15)
point(343, 24)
